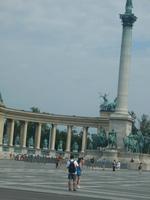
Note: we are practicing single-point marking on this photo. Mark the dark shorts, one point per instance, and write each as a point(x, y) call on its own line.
point(72, 177)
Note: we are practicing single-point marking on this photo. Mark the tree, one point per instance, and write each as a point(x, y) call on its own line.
point(35, 109)
point(144, 123)
point(95, 141)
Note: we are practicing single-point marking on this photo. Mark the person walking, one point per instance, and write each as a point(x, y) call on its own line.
point(92, 160)
point(80, 162)
point(72, 172)
point(118, 165)
point(103, 163)
point(114, 165)
point(140, 168)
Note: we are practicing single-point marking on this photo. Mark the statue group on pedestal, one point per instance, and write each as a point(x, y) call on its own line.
point(103, 140)
point(106, 105)
point(137, 143)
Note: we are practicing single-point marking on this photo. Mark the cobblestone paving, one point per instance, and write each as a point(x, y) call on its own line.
point(95, 184)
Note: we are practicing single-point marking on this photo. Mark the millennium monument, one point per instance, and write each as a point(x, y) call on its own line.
point(114, 126)
point(120, 120)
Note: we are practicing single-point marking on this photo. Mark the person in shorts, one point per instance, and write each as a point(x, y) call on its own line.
point(72, 172)
point(79, 170)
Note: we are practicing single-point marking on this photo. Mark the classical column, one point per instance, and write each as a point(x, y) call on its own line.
point(125, 59)
point(84, 139)
point(53, 137)
point(68, 143)
point(1, 129)
point(11, 124)
point(38, 136)
point(121, 121)
point(50, 137)
point(24, 127)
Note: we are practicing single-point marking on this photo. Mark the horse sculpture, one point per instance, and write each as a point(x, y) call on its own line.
point(106, 106)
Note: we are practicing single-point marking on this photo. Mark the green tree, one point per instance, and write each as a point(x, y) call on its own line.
point(35, 109)
point(95, 141)
point(144, 123)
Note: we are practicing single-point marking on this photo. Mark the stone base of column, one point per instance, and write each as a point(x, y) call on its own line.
point(122, 124)
point(82, 154)
point(52, 153)
point(17, 149)
point(67, 154)
point(11, 149)
point(24, 150)
point(1, 148)
point(37, 151)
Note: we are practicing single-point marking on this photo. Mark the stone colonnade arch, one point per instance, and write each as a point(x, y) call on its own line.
point(11, 115)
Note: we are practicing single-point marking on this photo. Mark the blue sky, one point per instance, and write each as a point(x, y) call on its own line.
point(58, 55)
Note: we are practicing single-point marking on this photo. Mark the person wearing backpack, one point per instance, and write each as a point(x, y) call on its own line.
point(72, 171)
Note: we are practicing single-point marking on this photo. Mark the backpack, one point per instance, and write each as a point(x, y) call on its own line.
point(72, 168)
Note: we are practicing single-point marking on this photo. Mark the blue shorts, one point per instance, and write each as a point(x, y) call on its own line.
point(78, 171)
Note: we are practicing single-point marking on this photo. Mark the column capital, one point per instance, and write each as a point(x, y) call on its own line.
point(128, 19)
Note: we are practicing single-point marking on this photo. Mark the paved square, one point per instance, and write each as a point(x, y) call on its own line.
point(43, 181)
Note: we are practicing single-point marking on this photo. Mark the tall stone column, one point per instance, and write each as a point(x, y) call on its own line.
point(125, 59)
point(11, 124)
point(1, 129)
point(50, 137)
point(38, 136)
point(68, 143)
point(121, 121)
point(53, 137)
point(24, 127)
point(84, 139)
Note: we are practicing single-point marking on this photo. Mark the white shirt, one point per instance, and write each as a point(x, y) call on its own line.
point(75, 163)
point(72, 160)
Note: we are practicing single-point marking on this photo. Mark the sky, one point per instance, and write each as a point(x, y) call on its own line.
point(60, 55)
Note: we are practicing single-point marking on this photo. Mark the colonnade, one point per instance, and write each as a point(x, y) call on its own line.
point(9, 117)
point(23, 143)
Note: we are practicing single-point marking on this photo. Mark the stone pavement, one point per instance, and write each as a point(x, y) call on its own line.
point(22, 180)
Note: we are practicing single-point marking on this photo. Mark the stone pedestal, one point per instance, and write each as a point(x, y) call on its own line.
point(110, 155)
point(38, 152)
point(52, 153)
point(67, 154)
point(122, 124)
point(11, 149)
point(24, 150)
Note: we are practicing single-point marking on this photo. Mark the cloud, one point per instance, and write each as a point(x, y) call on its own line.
point(60, 53)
